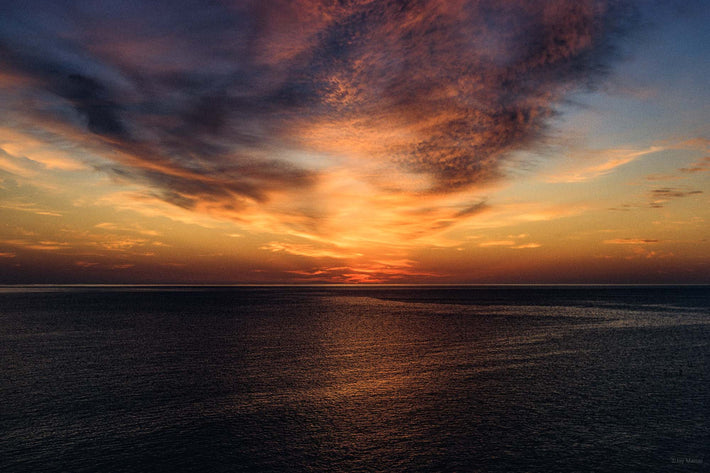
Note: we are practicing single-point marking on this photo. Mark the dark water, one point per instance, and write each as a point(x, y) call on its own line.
point(355, 379)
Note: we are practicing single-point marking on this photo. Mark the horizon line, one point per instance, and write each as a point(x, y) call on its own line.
point(337, 284)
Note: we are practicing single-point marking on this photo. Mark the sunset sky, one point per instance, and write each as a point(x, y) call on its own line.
point(444, 141)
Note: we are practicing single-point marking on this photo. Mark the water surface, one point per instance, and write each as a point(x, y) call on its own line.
point(110, 379)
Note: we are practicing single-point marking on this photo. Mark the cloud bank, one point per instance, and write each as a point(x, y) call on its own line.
point(227, 106)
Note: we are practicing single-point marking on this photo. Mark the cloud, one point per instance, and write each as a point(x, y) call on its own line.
point(445, 90)
point(43, 245)
point(448, 90)
point(86, 264)
point(510, 243)
point(372, 272)
point(127, 228)
point(702, 165)
point(635, 248)
point(602, 162)
point(122, 266)
point(630, 241)
point(244, 111)
point(526, 246)
point(308, 250)
point(28, 207)
point(497, 243)
point(661, 196)
point(673, 193)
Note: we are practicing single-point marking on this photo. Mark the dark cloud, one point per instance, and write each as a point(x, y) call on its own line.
point(209, 100)
point(631, 241)
point(91, 100)
point(622, 208)
point(669, 193)
point(661, 196)
point(472, 210)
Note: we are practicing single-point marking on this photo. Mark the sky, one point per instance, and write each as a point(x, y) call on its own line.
point(437, 142)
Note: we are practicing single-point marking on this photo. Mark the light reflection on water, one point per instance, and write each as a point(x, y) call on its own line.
point(351, 380)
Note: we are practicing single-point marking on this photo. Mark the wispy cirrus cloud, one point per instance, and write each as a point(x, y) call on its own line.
point(29, 207)
point(308, 250)
point(596, 163)
point(41, 245)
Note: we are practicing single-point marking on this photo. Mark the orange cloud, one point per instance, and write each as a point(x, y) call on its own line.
point(526, 246)
point(606, 162)
point(630, 241)
point(497, 243)
point(307, 250)
point(371, 273)
point(43, 245)
point(131, 229)
point(30, 207)
point(24, 146)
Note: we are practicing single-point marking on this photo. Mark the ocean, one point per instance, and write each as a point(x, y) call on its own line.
point(352, 378)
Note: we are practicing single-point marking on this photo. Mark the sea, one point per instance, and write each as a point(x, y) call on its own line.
point(355, 379)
